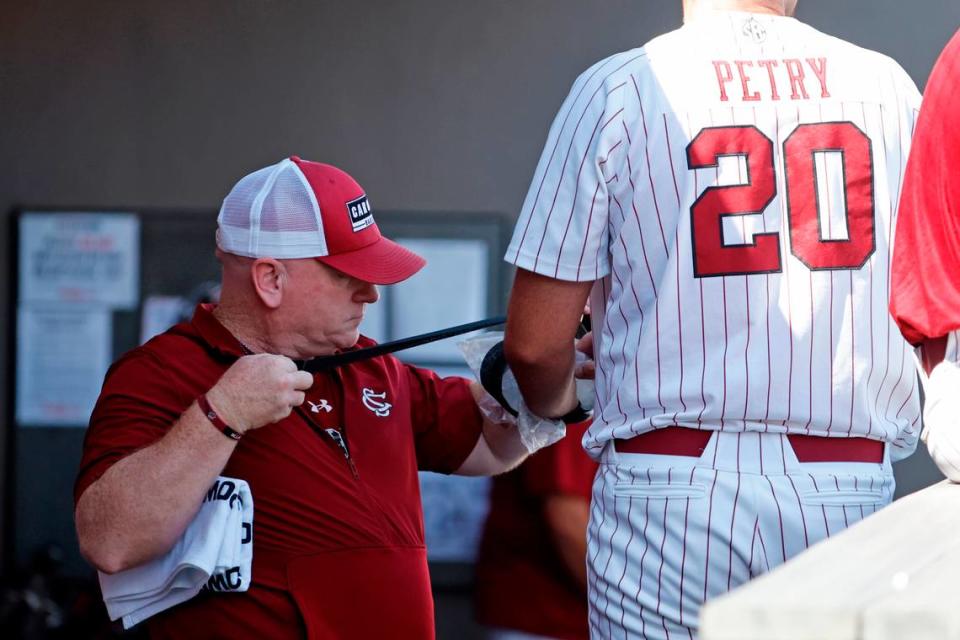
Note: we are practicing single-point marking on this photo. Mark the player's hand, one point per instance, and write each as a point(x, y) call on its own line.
point(258, 390)
point(585, 368)
point(941, 419)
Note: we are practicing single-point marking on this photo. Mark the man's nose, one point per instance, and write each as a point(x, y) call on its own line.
point(367, 293)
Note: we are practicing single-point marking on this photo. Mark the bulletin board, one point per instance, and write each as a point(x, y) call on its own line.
point(91, 284)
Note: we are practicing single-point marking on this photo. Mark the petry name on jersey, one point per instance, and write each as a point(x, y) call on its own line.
point(771, 79)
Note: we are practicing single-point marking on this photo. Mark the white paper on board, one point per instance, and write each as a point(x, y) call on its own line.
point(89, 258)
point(63, 353)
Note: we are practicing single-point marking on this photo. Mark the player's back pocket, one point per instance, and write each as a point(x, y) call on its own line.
point(660, 490)
point(841, 497)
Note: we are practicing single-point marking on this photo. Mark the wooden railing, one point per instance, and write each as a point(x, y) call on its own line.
point(892, 576)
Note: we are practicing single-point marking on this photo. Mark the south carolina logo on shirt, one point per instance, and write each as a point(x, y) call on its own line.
point(376, 402)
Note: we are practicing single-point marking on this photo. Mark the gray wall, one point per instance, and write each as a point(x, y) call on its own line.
point(438, 104)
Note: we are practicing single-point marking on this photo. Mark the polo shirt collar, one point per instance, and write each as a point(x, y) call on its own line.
point(215, 334)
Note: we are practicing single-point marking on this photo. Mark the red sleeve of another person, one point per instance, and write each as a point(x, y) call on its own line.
point(925, 287)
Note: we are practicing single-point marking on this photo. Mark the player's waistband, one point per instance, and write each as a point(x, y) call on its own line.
point(683, 441)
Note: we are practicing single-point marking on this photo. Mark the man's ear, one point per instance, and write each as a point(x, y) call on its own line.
point(269, 278)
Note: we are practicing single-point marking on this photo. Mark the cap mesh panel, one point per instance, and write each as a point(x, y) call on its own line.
point(238, 203)
point(288, 207)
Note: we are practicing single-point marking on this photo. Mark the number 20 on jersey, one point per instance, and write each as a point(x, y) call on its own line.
point(711, 257)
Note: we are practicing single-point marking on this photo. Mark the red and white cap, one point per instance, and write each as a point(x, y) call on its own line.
point(302, 209)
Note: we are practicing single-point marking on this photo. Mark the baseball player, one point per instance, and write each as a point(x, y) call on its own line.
point(726, 196)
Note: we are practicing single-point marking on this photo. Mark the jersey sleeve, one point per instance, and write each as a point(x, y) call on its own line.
point(925, 289)
point(132, 412)
point(446, 420)
point(562, 229)
point(563, 468)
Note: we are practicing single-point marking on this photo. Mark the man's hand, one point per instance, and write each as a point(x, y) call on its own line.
point(258, 390)
point(585, 369)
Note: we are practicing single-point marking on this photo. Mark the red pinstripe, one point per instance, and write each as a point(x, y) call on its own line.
point(646, 546)
point(786, 279)
point(803, 519)
point(753, 544)
point(703, 324)
point(823, 508)
point(746, 353)
point(733, 519)
point(776, 501)
point(676, 242)
point(886, 372)
point(586, 237)
point(706, 574)
point(870, 268)
point(626, 553)
point(663, 543)
point(826, 185)
point(646, 149)
point(723, 407)
point(763, 221)
point(663, 620)
point(763, 548)
point(683, 547)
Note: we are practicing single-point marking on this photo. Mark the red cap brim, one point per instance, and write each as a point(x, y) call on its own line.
point(383, 262)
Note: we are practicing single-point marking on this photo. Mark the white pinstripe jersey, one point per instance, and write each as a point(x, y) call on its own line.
point(732, 188)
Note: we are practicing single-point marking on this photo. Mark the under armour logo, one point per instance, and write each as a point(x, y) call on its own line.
point(375, 402)
point(755, 30)
point(316, 407)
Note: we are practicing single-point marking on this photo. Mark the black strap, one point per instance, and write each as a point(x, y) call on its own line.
point(317, 365)
point(492, 370)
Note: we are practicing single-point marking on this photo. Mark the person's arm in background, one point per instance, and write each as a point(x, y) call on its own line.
point(143, 502)
point(561, 476)
point(567, 517)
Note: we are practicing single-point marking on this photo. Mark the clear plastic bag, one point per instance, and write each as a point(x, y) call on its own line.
point(535, 432)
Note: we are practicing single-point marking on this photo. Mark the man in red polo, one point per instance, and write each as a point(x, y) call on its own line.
point(331, 458)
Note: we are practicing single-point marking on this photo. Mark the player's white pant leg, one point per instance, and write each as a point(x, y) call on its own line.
point(646, 540)
point(669, 532)
point(804, 503)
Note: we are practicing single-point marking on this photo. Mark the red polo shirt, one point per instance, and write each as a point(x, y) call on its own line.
point(338, 542)
point(522, 582)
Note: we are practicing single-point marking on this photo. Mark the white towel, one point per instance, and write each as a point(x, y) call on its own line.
point(214, 553)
